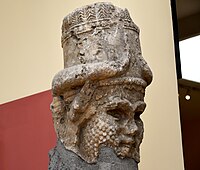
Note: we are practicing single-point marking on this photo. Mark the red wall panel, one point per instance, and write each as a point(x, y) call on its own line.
point(26, 133)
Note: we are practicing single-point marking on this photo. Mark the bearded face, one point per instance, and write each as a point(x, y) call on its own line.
point(112, 119)
point(116, 124)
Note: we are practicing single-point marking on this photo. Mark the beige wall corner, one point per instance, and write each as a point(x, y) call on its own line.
point(31, 54)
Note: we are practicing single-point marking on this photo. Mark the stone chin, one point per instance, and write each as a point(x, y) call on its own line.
point(129, 150)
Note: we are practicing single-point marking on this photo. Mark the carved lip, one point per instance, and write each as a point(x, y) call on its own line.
point(129, 142)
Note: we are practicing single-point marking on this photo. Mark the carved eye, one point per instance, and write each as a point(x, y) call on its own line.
point(117, 114)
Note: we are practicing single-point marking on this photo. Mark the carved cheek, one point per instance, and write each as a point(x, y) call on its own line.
point(139, 124)
point(132, 128)
point(128, 128)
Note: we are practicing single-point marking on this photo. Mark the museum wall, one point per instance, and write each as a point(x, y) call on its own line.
point(31, 54)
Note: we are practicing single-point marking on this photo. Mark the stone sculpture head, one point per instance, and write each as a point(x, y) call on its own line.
point(99, 95)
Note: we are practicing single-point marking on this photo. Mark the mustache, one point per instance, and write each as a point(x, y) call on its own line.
point(126, 140)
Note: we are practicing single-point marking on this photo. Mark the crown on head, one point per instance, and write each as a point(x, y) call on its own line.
point(96, 15)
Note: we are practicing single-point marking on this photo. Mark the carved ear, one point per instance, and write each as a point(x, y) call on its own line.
point(57, 106)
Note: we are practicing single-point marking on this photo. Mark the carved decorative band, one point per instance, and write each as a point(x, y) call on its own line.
point(89, 26)
point(98, 15)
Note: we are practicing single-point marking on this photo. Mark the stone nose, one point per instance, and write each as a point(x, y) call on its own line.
point(131, 128)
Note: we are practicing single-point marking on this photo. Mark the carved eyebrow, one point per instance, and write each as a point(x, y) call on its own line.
point(123, 105)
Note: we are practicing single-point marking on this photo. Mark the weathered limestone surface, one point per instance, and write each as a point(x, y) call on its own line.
point(99, 95)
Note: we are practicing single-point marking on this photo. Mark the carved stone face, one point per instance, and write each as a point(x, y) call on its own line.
point(116, 124)
point(99, 96)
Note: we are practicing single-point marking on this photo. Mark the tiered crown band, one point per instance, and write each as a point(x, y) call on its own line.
point(96, 15)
